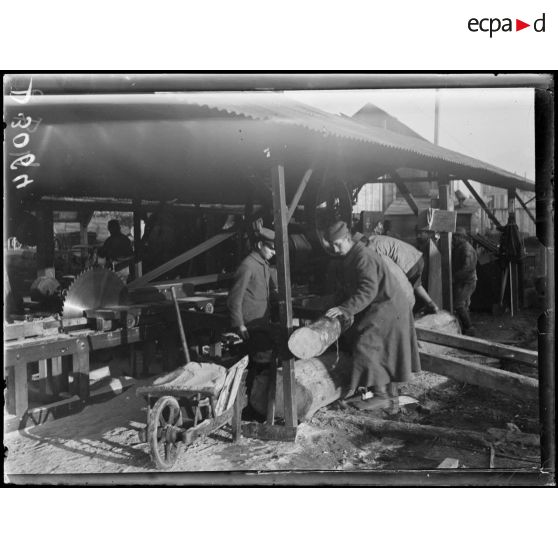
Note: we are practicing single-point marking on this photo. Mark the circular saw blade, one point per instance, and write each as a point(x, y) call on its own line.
point(94, 288)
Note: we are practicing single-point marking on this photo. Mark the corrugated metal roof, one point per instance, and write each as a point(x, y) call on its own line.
point(275, 109)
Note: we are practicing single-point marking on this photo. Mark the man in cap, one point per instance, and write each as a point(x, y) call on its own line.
point(385, 350)
point(464, 276)
point(249, 298)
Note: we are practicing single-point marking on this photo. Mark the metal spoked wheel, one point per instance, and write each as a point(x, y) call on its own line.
point(163, 424)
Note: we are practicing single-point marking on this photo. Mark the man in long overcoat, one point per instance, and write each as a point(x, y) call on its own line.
point(385, 350)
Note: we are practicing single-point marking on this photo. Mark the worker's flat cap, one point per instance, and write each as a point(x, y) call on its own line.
point(461, 230)
point(337, 230)
point(267, 235)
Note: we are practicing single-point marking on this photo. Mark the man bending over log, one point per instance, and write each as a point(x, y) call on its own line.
point(384, 342)
point(407, 257)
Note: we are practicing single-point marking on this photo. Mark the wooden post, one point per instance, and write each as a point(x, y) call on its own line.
point(81, 369)
point(137, 239)
point(45, 243)
point(544, 178)
point(446, 203)
point(17, 400)
point(284, 284)
point(514, 283)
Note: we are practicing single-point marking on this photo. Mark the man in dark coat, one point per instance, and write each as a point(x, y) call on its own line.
point(464, 276)
point(249, 298)
point(385, 349)
point(117, 250)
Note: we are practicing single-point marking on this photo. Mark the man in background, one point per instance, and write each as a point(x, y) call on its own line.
point(117, 250)
point(464, 276)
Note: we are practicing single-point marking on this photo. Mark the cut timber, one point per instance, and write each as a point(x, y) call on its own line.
point(480, 375)
point(412, 431)
point(313, 340)
point(480, 346)
point(319, 381)
point(449, 463)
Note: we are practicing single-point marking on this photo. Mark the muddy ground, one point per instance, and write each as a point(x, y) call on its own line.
point(103, 437)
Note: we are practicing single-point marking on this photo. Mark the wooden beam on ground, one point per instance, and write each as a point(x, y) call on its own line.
point(182, 258)
point(445, 249)
point(483, 205)
point(299, 192)
point(284, 285)
point(480, 346)
point(468, 372)
point(458, 436)
point(405, 192)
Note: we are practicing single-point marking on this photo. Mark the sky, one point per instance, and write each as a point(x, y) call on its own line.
point(493, 125)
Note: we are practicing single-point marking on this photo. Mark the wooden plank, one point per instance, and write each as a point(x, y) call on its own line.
point(445, 250)
point(480, 346)
point(405, 192)
point(483, 205)
point(34, 350)
point(284, 280)
point(269, 432)
point(298, 193)
point(182, 258)
point(468, 372)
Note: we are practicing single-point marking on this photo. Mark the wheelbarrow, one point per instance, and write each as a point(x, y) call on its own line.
point(192, 401)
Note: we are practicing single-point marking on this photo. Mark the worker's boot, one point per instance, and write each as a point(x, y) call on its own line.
point(383, 399)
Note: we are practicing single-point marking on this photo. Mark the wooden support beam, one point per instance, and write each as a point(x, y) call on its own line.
point(284, 280)
point(445, 249)
point(483, 205)
point(468, 372)
point(524, 206)
point(299, 192)
point(479, 346)
point(182, 258)
point(545, 207)
point(405, 192)
point(17, 399)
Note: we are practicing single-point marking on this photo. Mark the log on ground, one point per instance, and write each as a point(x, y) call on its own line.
point(318, 382)
point(412, 431)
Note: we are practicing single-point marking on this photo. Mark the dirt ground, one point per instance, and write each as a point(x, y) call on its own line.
point(103, 436)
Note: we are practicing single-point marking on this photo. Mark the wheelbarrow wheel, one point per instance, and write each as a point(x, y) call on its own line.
point(163, 423)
